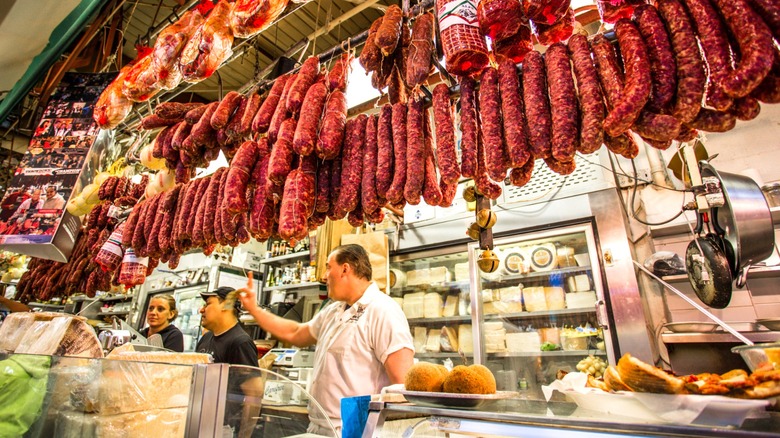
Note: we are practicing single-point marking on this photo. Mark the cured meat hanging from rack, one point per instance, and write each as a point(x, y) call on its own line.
point(112, 106)
point(140, 83)
point(250, 17)
point(168, 48)
point(210, 45)
point(465, 50)
point(499, 19)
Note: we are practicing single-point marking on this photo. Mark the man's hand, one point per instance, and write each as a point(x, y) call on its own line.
point(247, 294)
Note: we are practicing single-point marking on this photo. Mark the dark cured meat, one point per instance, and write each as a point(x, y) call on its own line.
point(298, 194)
point(636, 89)
point(519, 176)
point(714, 121)
point(395, 194)
point(659, 51)
point(559, 167)
point(282, 153)
point(335, 185)
point(336, 78)
point(175, 110)
point(514, 124)
point(756, 47)
point(193, 116)
point(166, 225)
point(254, 101)
point(182, 131)
point(334, 122)
point(563, 104)
point(715, 44)
point(431, 190)
point(130, 224)
point(356, 217)
point(369, 199)
point(371, 56)
point(198, 205)
point(490, 125)
point(301, 84)
point(418, 64)
point(225, 109)
point(537, 108)
point(233, 127)
point(215, 211)
point(658, 127)
point(591, 100)
point(322, 202)
point(686, 134)
point(262, 119)
point(464, 47)
point(396, 90)
point(238, 178)
point(384, 171)
point(309, 119)
point(153, 121)
point(446, 153)
point(448, 192)
point(769, 10)
point(262, 208)
point(483, 184)
point(468, 128)
point(415, 151)
point(691, 77)
point(746, 108)
point(280, 113)
point(609, 71)
point(389, 32)
point(352, 166)
point(202, 133)
point(205, 222)
point(769, 89)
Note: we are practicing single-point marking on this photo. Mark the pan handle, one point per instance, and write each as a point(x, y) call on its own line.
point(742, 277)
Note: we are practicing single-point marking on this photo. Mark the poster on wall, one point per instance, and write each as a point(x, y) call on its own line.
point(33, 219)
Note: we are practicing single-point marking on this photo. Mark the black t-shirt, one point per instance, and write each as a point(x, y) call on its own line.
point(171, 337)
point(234, 347)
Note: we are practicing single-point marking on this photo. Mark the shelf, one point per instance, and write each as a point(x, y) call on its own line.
point(441, 287)
point(285, 259)
point(532, 275)
point(718, 337)
point(80, 298)
point(440, 355)
point(46, 306)
point(175, 288)
point(120, 297)
point(542, 314)
point(121, 312)
point(560, 353)
point(417, 321)
point(755, 272)
point(308, 284)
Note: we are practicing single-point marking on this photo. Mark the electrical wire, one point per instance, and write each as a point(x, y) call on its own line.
point(633, 203)
point(629, 176)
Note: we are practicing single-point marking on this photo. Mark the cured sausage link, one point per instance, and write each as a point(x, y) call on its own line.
point(514, 124)
point(659, 50)
point(592, 110)
point(636, 90)
point(468, 127)
point(563, 103)
point(537, 108)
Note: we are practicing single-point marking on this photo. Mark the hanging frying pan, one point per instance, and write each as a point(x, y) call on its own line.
point(744, 221)
point(709, 271)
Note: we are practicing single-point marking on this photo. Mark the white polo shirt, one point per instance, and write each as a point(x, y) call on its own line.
point(352, 346)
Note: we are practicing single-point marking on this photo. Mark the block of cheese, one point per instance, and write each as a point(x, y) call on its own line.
point(17, 325)
point(438, 274)
point(582, 282)
point(152, 423)
point(495, 341)
point(449, 339)
point(579, 300)
point(450, 306)
point(413, 305)
point(420, 339)
point(161, 357)
point(554, 297)
point(432, 305)
point(523, 342)
point(550, 334)
point(462, 271)
point(61, 336)
point(433, 345)
point(511, 300)
point(534, 299)
point(465, 338)
point(493, 325)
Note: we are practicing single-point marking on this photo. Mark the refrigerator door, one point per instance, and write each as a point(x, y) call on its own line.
point(188, 303)
point(540, 310)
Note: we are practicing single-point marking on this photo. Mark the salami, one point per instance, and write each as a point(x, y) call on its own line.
point(636, 91)
point(352, 166)
point(334, 121)
point(591, 99)
point(309, 121)
point(431, 191)
point(769, 11)
point(389, 32)
point(418, 64)
point(756, 46)
point(519, 176)
point(686, 134)
point(238, 178)
point(490, 124)
point(280, 113)
point(448, 192)
point(202, 133)
point(415, 151)
point(254, 101)
point(483, 184)
point(335, 192)
point(563, 103)
point(181, 133)
point(560, 167)
point(298, 193)
point(282, 154)
point(514, 124)
point(322, 201)
point(371, 56)
point(227, 106)
point(384, 164)
point(203, 232)
point(216, 211)
point(193, 116)
point(537, 108)
point(690, 69)
point(356, 217)
point(446, 153)
point(465, 51)
point(609, 71)
point(369, 198)
point(153, 121)
point(658, 127)
point(301, 84)
point(197, 210)
point(395, 193)
point(714, 121)
point(262, 120)
point(659, 51)
point(130, 224)
point(176, 110)
point(337, 76)
point(166, 225)
point(468, 128)
point(746, 108)
point(233, 127)
point(715, 45)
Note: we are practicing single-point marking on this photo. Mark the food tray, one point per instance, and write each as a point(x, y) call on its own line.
point(692, 327)
point(450, 400)
point(703, 410)
point(770, 323)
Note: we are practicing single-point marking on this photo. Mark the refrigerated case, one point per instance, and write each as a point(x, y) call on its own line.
point(564, 277)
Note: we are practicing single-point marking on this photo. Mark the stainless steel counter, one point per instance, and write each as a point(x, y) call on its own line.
point(724, 337)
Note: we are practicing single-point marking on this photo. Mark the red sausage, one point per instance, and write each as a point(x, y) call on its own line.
point(519, 176)
point(659, 50)
point(282, 153)
point(563, 103)
point(431, 190)
point(537, 108)
point(514, 124)
point(591, 99)
point(369, 198)
point(490, 124)
point(468, 128)
point(225, 109)
point(301, 84)
point(334, 121)
point(395, 194)
point(636, 90)
point(415, 151)
point(262, 120)
point(309, 119)
point(384, 171)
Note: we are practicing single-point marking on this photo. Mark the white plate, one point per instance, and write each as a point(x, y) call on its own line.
point(704, 410)
point(450, 400)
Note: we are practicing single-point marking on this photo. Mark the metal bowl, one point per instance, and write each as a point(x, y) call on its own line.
point(770, 323)
point(759, 355)
point(692, 327)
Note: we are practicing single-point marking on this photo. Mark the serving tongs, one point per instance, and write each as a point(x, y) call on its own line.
point(696, 305)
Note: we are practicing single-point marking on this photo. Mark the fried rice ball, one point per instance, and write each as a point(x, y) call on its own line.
point(488, 381)
point(424, 376)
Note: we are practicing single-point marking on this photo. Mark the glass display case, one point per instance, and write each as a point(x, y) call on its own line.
point(542, 310)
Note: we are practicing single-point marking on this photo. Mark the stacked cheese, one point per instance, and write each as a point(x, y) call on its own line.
point(466, 338)
point(495, 337)
point(420, 339)
point(523, 342)
point(413, 305)
point(534, 299)
point(433, 343)
point(462, 272)
point(489, 296)
point(449, 340)
point(432, 305)
point(451, 306)
point(579, 300)
point(510, 300)
point(554, 297)
point(428, 276)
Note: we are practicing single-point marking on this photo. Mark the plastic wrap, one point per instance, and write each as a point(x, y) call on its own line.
point(62, 336)
point(133, 270)
point(545, 11)
point(560, 30)
point(110, 255)
point(112, 107)
point(249, 17)
point(23, 380)
point(499, 19)
point(153, 423)
point(465, 50)
point(140, 83)
point(16, 326)
point(168, 48)
point(210, 45)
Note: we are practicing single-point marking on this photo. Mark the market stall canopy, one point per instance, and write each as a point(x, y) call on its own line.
point(32, 37)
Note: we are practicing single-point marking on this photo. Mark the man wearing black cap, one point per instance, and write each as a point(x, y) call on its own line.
point(225, 340)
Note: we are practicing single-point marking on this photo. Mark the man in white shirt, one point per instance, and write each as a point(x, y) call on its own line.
point(35, 202)
point(363, 339)
point(54, 201)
